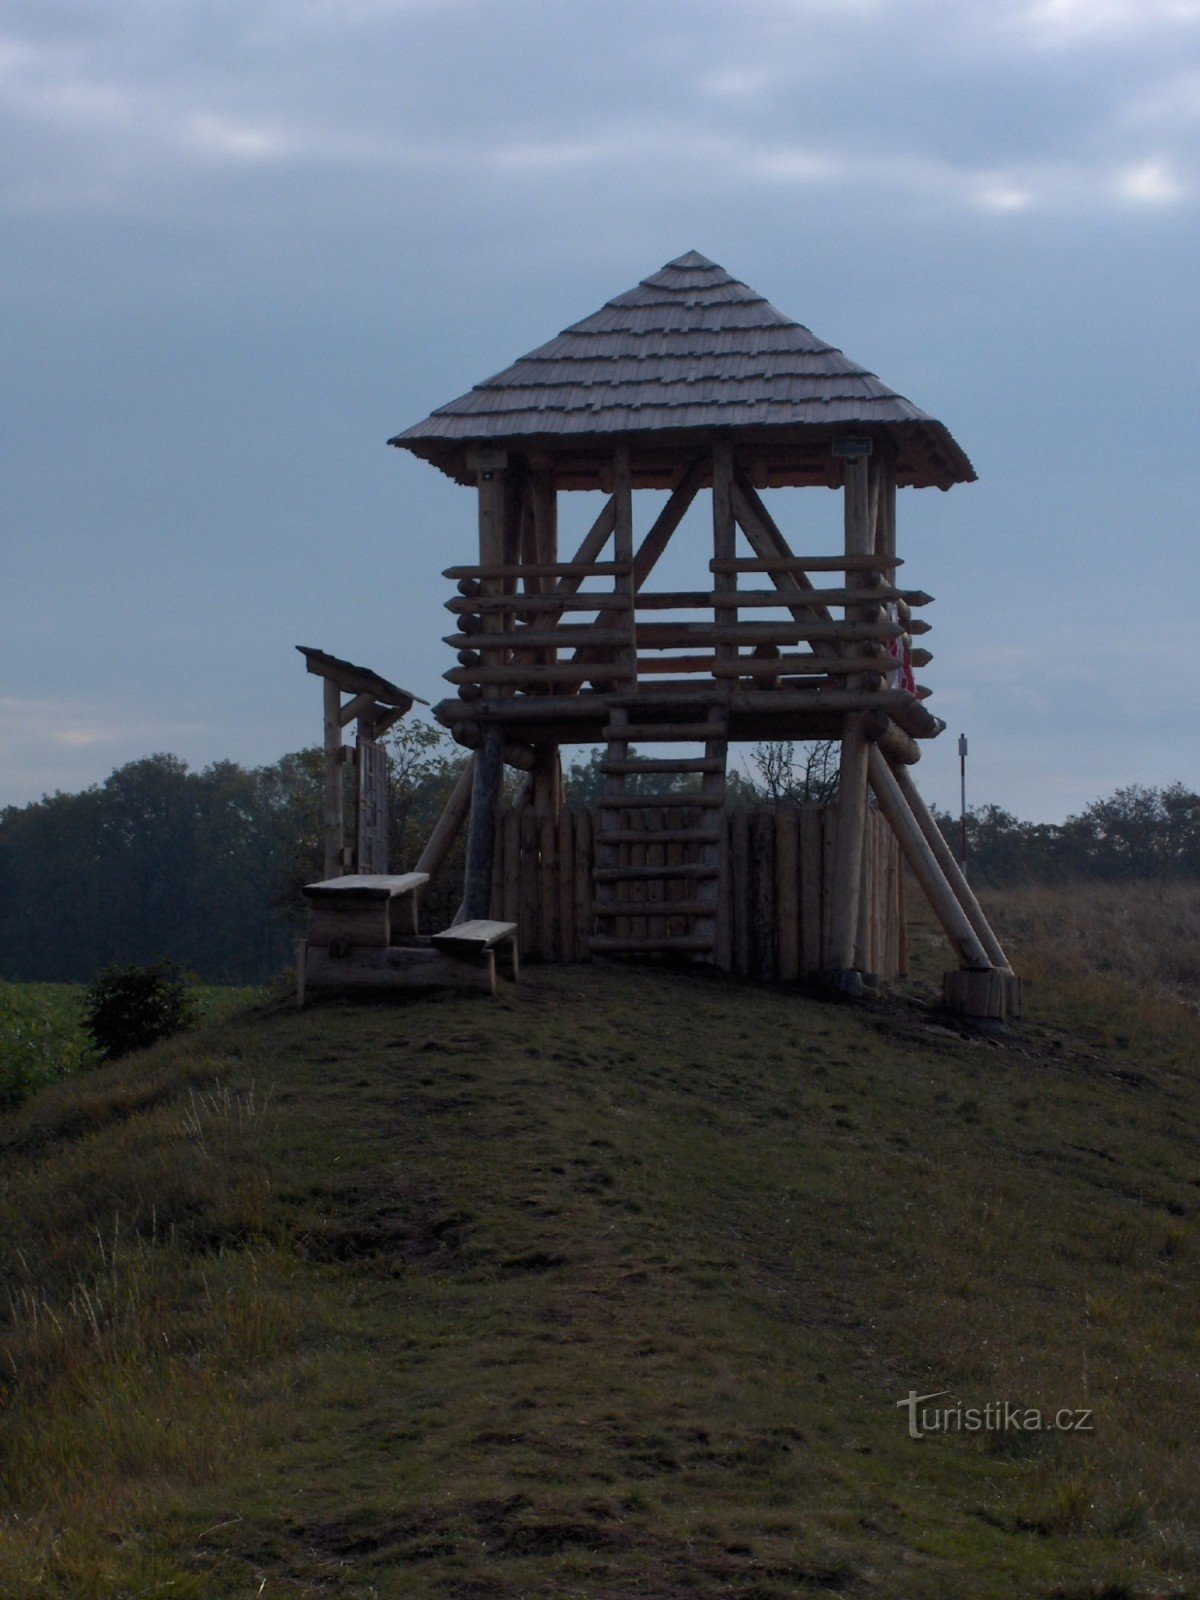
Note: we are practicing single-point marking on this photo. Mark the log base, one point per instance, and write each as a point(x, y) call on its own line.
point(359, 969)
point(992, 994)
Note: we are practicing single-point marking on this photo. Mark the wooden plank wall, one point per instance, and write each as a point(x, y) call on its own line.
point(779, 865)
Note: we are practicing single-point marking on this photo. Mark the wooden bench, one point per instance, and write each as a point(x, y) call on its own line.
point(355, 941)
point(357, 912)
point(476, 943)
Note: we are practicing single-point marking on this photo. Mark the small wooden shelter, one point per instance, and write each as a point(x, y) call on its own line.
point(692, 383)
point(374, 705)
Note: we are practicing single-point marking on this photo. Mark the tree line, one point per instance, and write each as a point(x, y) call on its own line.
point(1137, 833)
point(206, 868)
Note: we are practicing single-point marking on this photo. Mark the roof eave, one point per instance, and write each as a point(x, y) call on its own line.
point(926, 453)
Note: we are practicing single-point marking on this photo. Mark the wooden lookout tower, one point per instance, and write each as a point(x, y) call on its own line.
point(691, 383)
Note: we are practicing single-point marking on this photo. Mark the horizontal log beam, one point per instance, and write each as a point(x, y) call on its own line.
point(808, 666)
point(545, 569)
point(535, 603)
point(566, 637)
point(688, 600)
point(843, 563)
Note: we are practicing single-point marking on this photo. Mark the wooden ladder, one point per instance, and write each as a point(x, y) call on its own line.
point(687, 861)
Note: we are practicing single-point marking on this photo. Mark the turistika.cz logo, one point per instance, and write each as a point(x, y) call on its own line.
point(997, 1416)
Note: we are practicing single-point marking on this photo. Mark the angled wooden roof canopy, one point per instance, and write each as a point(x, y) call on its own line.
point(689, 353)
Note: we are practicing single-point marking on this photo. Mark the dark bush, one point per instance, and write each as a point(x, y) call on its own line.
point(128, 1008)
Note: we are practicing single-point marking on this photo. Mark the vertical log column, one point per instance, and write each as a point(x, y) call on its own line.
point(623, 551)
point(542, 523)
point(724, 543)
point(334, 859)
point(725, 615)
point(489, 765)
point(845, 887)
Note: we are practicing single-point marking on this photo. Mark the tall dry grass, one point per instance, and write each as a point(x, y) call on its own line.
point(1124, 958)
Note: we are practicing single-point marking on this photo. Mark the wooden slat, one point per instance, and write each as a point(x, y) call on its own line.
point(829, 821)
point(740, 875)
point(366, 886)
point(666, 732)
point(638, 764)
point(583, 885)
point(625, 801)
point(479, 934)
point(511, 870)
point(548, 883)
point(566, 886)
point(787, 879)
point(497, 908)
point(810, 889)
point(529, 921)
point(634, 909)
point(603, 945)
point(366, 926)
point(655, 871)
point(673, 835)
point(763, 912)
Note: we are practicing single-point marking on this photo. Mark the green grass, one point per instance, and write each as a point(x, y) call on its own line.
point(42, 1037)
point(606, 1288)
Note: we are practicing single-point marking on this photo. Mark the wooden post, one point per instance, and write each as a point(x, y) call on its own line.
point(845, 887)
point(446, 829)
point(924, 864)
point(851, 801)
point(485, 800)
point(545, 516)
point(547, 780)
point(724, 538)
point(623, 551)
point(491, 476)
point(333, 779)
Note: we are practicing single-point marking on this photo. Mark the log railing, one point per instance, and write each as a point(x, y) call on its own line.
point(511, 642)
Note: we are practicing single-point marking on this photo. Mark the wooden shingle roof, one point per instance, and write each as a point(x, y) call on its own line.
point(689, 351)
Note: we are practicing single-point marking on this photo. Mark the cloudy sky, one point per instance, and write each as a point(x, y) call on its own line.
point(247, 240)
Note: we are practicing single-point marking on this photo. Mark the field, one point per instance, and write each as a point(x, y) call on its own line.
point(42, 1038)
point(615, 1287)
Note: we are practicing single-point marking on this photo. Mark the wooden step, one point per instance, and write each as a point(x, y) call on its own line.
point(692, 869)
point(602, 945)
point(639, 764)
point(629, 802)
point(656, 836)
point(654, 908)
point(668, 732)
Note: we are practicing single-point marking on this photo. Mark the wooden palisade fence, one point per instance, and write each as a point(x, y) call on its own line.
point(774, 907)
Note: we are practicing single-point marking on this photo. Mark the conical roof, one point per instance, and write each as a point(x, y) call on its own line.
point(689, 351)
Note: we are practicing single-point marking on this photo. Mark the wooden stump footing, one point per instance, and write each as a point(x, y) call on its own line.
point(991, 993)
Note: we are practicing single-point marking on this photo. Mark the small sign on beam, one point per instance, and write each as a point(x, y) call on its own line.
point(851, 449)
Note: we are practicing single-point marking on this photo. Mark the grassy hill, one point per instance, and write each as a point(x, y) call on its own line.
point(611, 1288)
